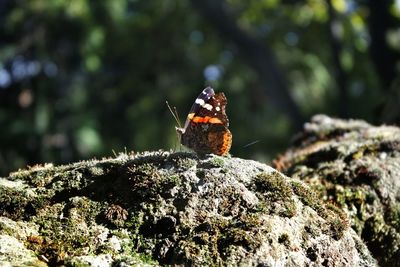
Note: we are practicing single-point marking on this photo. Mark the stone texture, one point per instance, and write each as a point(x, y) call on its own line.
point(164, 208)
point(355, 166)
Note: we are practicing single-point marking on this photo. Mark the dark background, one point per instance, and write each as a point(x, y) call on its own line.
point(81, 78)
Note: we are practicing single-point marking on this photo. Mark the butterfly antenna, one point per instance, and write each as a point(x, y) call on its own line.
point(252, 143)
point(174, 114)
point(177, 116)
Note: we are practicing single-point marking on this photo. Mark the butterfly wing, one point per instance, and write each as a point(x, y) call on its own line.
point(201, 101)
point(206, 129)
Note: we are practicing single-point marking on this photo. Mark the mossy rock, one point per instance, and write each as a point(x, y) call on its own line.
point(355, 167)
point(162, 208)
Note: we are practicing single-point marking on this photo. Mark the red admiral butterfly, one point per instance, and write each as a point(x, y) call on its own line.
point(206, 127)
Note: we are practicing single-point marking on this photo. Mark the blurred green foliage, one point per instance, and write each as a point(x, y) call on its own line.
point(84, 78)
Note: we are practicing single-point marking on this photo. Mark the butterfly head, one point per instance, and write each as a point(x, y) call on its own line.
point(180, 131)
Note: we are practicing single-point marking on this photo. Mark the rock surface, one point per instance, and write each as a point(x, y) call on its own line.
point(356, 166)
point(164, 208)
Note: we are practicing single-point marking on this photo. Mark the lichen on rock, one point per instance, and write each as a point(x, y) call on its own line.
point(356, 167)
point(162, 208)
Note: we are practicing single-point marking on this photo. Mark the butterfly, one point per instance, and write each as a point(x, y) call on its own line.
point(206, 127)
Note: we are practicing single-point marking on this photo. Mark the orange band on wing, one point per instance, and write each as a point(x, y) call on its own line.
point(205, 119)
point(215, 120)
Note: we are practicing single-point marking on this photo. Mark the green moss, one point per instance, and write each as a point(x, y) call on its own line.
point(308, 197)
point(383, 240)
point(289, 209)
point(145, 259)
point(188, 250)
point(218, 162)
point(70, 180)
point(336, 218)
point(213, 240)
point(262, 206)
point(371, 149)
point(338, 227)
point(354, 198)
point(145, 170)
point(36, 173)
point(393, 216)
point(67, 229)
point(336, 210)
point(87, 209)
point(274, 184)
point(134, 221)
point(96, 171)
point(237, 236)
point(276, 188)
point(12, 203)
point(250, 221)
point(174, 180)
point(42, 178)
point(182, 162)
point(20, 204)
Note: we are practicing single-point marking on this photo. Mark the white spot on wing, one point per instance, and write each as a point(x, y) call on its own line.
point(217, 108)
point(200, 102)
point(208, 107)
